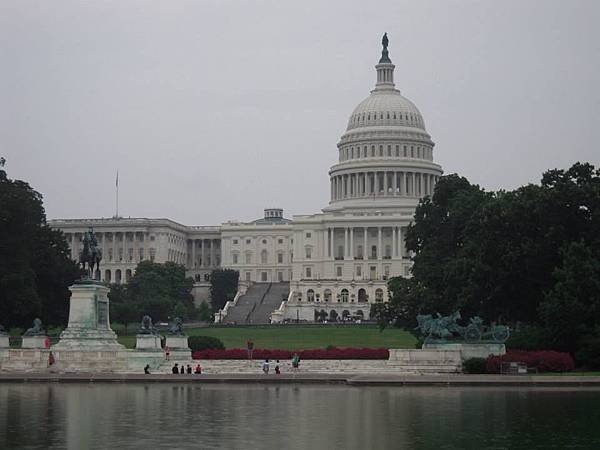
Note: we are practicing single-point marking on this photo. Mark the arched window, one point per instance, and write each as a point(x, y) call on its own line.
point(379, 295)
point(107, 278)
point(127, 275)
point(362, 295)
point(310, 295)
point(327, 295)
point(344, 295)
point(118, 276)
point(263, 257)
point(333, 316)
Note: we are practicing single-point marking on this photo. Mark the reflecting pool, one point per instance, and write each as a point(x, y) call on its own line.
point(254, 416)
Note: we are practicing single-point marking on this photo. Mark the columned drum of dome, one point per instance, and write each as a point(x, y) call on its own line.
point(386, 154)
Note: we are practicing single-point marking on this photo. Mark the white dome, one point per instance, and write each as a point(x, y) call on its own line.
point(386, 108)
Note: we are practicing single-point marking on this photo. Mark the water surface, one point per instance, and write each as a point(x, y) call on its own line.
point(239, 416)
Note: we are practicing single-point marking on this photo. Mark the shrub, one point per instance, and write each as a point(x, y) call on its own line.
point(474, 365)
point(200, 343)
point(334, 353)
point(543, 361)
point(54, 331)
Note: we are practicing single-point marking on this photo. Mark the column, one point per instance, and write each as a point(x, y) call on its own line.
point(400, 242)
point(395, 183)
point(193, 254)
point(376, 183)
point(351, 243)
point(365, 250)
point(379, 252)
point(393, 242)
point(203, 252)
point(124, 252)
point(331, 239)
point(385, 183)
point(345, 242)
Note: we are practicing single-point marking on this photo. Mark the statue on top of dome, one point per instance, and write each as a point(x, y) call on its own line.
point(385, 41)
point(384, 53)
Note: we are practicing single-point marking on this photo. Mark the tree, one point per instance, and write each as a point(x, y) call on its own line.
point(496, 254)
point(35, 267)
point(223, 287)
point(161, 291)
point(571, 309)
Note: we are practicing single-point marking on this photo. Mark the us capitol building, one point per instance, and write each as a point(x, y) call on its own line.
point(330, 264)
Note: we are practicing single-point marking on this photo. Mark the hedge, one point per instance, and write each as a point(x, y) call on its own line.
point(332, 353)
point(543, 361)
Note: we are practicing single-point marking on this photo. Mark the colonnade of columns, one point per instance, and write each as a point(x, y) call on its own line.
point(350, 234)
point(205, 253)
point(390, 183)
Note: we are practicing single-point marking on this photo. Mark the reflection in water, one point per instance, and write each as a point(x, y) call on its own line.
point(99, 416)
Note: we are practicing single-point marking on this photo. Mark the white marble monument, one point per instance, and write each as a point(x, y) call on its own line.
point(89, 325)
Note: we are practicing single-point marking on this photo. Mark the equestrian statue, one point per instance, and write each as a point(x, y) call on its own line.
point(91, 254)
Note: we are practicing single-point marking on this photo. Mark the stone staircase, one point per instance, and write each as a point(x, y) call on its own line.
point(256, 306)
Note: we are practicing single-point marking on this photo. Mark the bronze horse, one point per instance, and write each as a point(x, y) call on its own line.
point(91, 254)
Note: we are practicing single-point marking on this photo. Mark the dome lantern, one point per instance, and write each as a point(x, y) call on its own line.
point(385, 68)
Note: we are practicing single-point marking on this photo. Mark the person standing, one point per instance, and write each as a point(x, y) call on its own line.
point(296, 362)
point(265, 367)
point(167, 353)
point(189, 369)
point(277, 369)
point(182, 370)
point(250, 347)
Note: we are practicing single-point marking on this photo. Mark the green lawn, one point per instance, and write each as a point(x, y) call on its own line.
point(299, 337)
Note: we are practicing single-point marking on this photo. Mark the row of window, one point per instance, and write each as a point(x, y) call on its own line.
point(399, 117)
point(344, 296)
point(264, 257)
point(120, 256)
point(249, 241)
point(419, 152)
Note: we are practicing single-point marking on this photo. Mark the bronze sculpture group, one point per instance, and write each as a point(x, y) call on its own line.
point(438, 329)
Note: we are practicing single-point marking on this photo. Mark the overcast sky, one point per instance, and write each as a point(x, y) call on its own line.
point(214, 110)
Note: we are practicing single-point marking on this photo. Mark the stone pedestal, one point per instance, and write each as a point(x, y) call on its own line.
point(178, 347)
point(425, 361)
point(148, 342)
point(89, 322)
point(34, 342)
point(4, 343)
point(177, 342)
point(470, 350)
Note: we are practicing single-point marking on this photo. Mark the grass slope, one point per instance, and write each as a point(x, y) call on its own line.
point(299, 337)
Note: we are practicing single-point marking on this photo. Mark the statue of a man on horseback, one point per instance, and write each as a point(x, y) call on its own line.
point(91, 254)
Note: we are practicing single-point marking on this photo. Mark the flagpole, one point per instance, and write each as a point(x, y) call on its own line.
point(117, 193)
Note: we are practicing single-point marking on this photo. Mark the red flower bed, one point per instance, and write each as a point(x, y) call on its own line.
point(333, 353)
point(543, 361)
